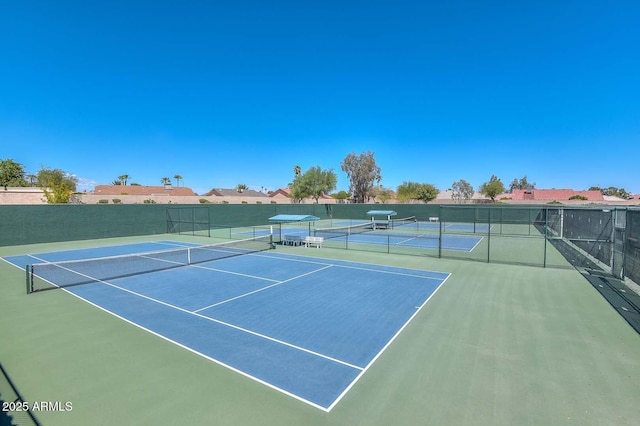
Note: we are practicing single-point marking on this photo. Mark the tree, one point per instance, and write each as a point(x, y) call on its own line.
point(417, 191)
point(612, 191)
point(33, 179)
point(407, 191)
point(461, 191)
point(12, 174)
point(178, 178)
point(427, 192)
point(123, 179)
point(165, 181)
point(341, 195)
point(381, 193)
point(58, 186)
point(362, 172)
point(521, 184)
point(492, 188)
point(241, 187)
point(314, 183)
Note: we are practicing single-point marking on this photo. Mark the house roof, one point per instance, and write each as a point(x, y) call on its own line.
point(142, 190)
point(287, 193)
point(281, 191)
point(552, 194)
point(227, 192)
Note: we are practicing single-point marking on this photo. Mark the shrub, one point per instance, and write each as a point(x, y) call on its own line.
point(117, 201)
point(103, 201)
point(578, 197)
point(149, 201)
point(204, 201)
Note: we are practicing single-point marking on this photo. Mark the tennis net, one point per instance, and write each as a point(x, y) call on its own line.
point(397, 223)
point(343, 231)
point(44, 276)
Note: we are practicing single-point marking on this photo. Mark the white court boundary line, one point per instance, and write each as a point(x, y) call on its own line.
point(362, 370)
point(262, 289)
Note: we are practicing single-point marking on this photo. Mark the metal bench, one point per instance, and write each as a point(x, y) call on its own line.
point(313, 241)
point(293, 240)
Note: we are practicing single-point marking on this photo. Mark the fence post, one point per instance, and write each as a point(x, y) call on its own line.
point(546, 236)
point(489, 236)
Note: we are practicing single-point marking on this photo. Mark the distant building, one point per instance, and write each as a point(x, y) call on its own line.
point(284, 194)
point(220, 192)
point(143, 190)
point(22, 195)
point(280, 193)
point(545, 195)
point(446, 197)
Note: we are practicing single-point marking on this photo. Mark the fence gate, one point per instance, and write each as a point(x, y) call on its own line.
point(619, 235)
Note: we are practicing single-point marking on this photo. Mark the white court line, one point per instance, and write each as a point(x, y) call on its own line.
point(262, 289)
point(407, 240)
point(206, 268)
point(476, 244)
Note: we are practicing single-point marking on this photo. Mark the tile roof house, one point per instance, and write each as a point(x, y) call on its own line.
point(285, 194)
point(142, 190)
point(280, 193)
point(220, 192)
point(134, 194)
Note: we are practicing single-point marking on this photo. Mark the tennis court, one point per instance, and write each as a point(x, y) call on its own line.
point(401, 234)
point(309, 328)
point(423, 241)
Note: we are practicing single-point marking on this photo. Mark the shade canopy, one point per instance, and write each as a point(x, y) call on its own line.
point(291, 218)
point(381, 213)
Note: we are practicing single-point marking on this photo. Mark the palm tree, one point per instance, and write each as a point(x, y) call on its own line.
point(124, 179)
point(33, 179)
point(166, 181)
point(178, 178)
point(241, 187)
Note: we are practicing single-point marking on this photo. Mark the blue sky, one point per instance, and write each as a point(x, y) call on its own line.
point(234, 92)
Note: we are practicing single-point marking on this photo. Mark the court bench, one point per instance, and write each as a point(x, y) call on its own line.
point(313, 241)
point(293, 240)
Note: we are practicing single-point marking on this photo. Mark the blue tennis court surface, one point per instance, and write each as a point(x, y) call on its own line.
point(421, 241)
point(307, 327)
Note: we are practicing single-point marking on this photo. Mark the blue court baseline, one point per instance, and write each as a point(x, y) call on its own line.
point(307, 327)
